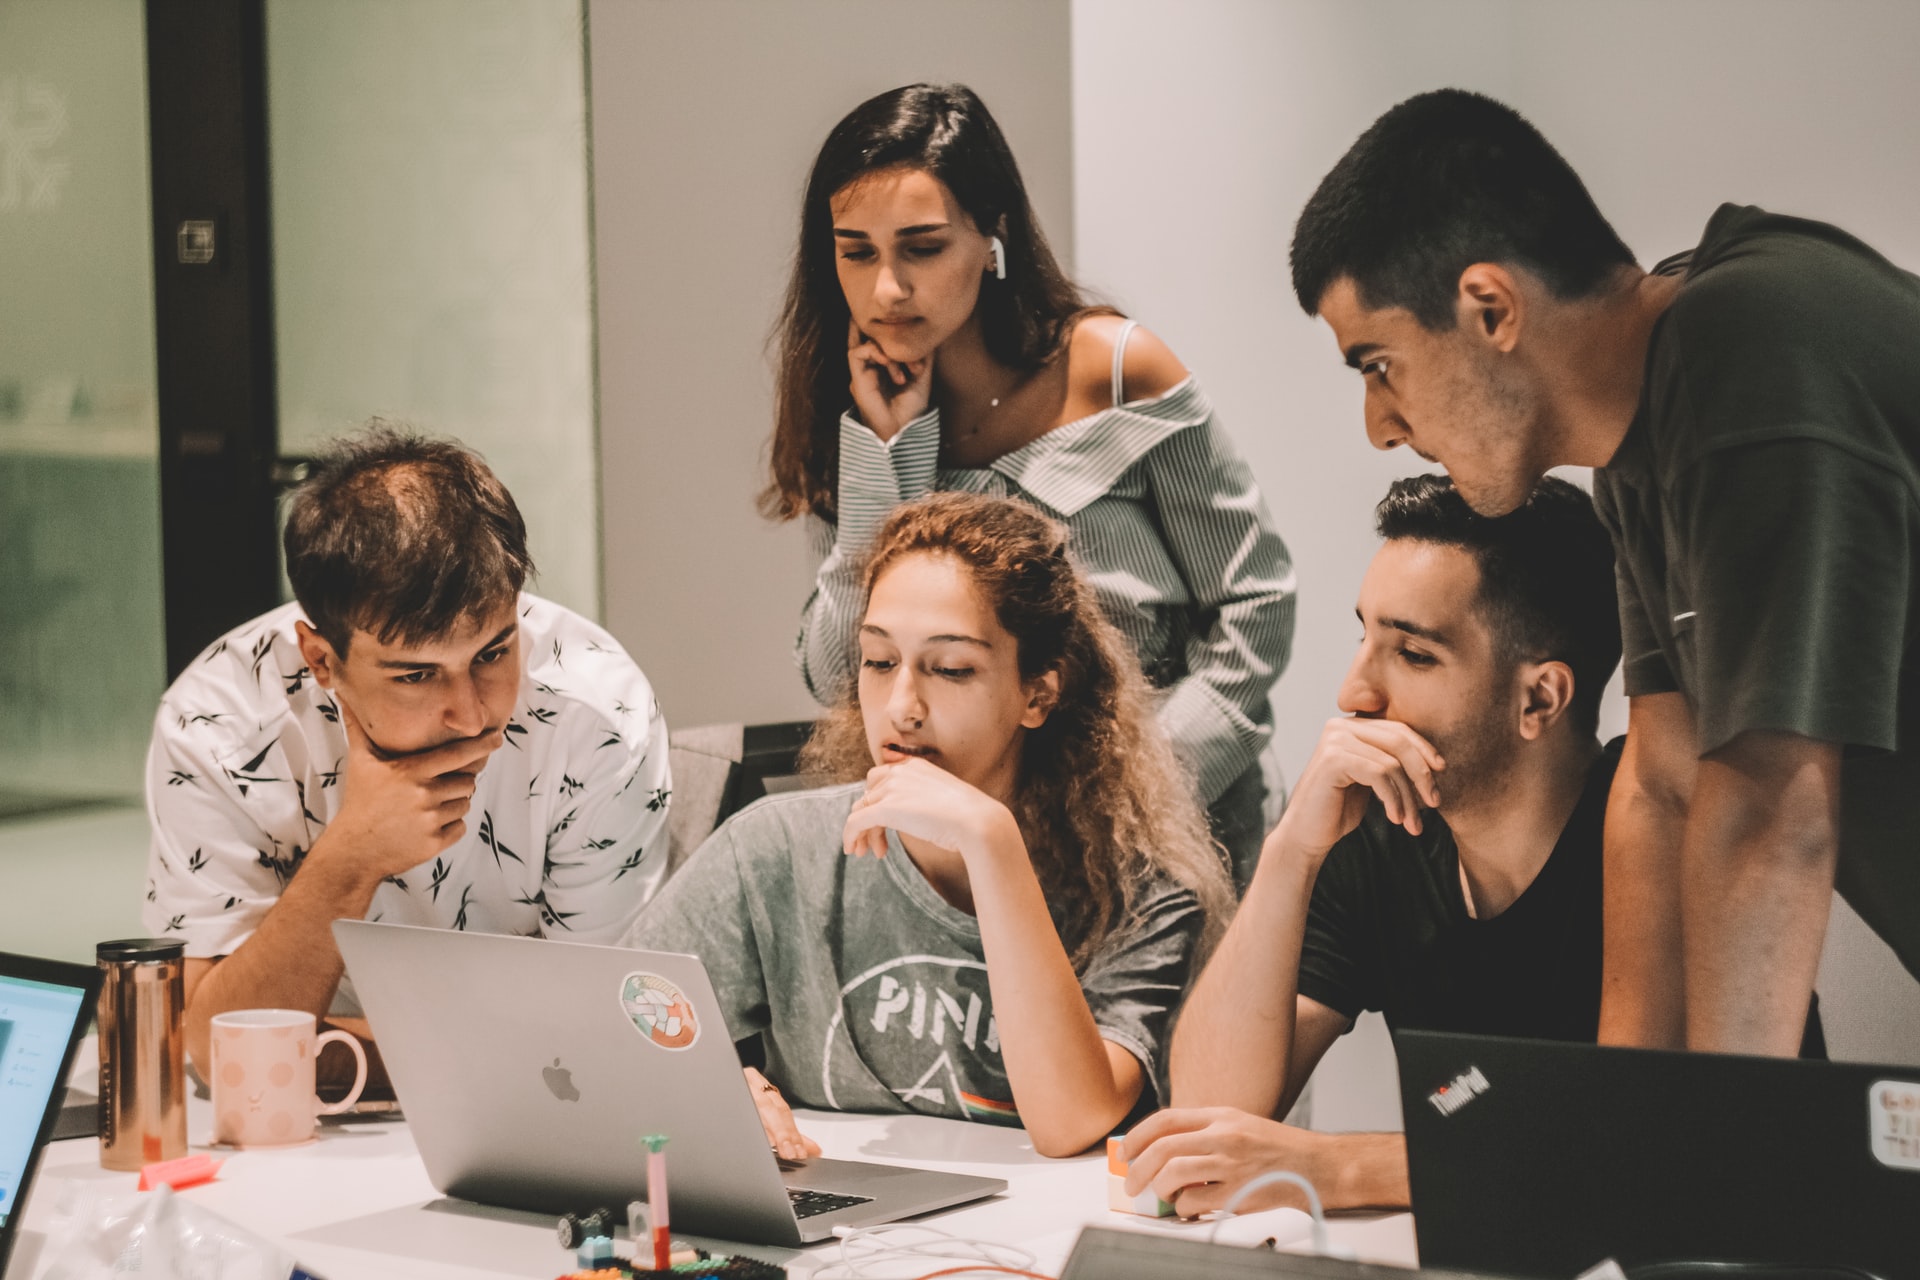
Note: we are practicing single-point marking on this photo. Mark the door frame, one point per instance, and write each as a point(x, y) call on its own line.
point(213, 317)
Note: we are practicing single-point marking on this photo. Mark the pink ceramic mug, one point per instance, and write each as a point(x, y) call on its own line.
point(263, 1091)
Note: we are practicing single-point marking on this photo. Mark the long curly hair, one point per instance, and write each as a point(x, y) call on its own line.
point(1025, 320)
point(1102, 803)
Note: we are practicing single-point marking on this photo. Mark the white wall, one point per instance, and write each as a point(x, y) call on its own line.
point(1201, 127)
point(82, 649)
point(1200, 131)
point(432, 260)
point(706, 117)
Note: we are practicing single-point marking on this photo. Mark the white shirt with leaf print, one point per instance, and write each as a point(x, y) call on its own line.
point(566, 835)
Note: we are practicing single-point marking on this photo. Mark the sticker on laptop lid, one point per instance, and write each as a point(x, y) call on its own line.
point(1893, 1111)
point(659, 1010)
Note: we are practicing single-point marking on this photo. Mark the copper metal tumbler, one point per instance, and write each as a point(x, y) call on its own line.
point(143, 1083)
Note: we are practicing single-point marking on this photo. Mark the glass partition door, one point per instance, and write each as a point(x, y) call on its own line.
point(432, 259)
point(82, 662)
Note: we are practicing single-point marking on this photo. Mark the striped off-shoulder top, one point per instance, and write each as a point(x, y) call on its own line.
point(1165, 517)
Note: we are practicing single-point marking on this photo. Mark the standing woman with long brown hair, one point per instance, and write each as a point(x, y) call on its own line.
point(931, 341)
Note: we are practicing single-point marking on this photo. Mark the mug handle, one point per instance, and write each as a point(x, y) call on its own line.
point(360, 1075)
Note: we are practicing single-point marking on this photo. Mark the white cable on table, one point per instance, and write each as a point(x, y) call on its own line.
point(1269, 1179)
point(893, 1244)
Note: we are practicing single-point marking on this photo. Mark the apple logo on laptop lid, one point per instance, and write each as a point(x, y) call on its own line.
point(559, 1082)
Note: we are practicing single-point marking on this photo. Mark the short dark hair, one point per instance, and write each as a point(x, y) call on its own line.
point(1440, 182)
point(1546, 574)
point(402, 536)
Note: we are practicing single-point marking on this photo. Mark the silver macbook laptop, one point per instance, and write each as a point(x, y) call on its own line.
point(530, 1070)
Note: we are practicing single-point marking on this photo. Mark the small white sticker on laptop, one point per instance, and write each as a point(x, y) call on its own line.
point(1893, 1109)
point(659, 1010)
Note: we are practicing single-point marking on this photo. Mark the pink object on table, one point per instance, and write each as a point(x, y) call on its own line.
point(657, 1200)
point(263, 1077)
point(187, 1171)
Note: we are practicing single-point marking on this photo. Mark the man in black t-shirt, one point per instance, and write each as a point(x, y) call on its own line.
point(1752, 409)
point(1439, 859)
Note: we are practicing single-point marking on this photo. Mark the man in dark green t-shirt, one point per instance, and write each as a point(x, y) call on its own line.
point(1752, 409)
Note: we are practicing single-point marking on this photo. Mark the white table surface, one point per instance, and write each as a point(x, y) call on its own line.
point(356, 1203)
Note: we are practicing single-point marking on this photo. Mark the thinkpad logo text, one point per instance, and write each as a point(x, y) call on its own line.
point(1457, 1093)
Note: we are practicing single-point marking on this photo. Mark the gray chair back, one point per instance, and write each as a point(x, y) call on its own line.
point(719, 769)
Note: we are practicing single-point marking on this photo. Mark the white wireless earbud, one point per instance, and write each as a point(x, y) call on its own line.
point(999, 257)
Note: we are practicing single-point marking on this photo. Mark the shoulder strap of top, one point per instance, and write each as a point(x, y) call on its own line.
point(1119, 361)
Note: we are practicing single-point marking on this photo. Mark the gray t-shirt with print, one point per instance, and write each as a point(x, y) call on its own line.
point(869, 989)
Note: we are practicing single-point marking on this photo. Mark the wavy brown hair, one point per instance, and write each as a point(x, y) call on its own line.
point(1102, 804)
point(944, 130)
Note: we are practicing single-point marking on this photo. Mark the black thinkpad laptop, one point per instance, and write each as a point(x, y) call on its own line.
point(44, 1011)
point(1541, 1159)
point(1103, 1253)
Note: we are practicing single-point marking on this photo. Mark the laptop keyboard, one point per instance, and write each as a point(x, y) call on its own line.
point(807, 1204)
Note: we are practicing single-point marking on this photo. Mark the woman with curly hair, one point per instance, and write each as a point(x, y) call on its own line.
point(930, 341)
point(994, 913)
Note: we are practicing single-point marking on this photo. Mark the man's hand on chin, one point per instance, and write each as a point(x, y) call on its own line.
point(398, 810)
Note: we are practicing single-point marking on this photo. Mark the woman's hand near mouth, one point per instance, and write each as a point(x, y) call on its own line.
point(1060, 1067)
point(918, 798)
point(888, 393)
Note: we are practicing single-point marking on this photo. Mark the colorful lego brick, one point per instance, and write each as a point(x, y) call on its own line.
point(721, 1268)
point(595, 1252)
point(1146, 1204)
point(689, 1267)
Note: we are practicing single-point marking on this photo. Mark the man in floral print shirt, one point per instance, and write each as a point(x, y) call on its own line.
point(415, 740)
